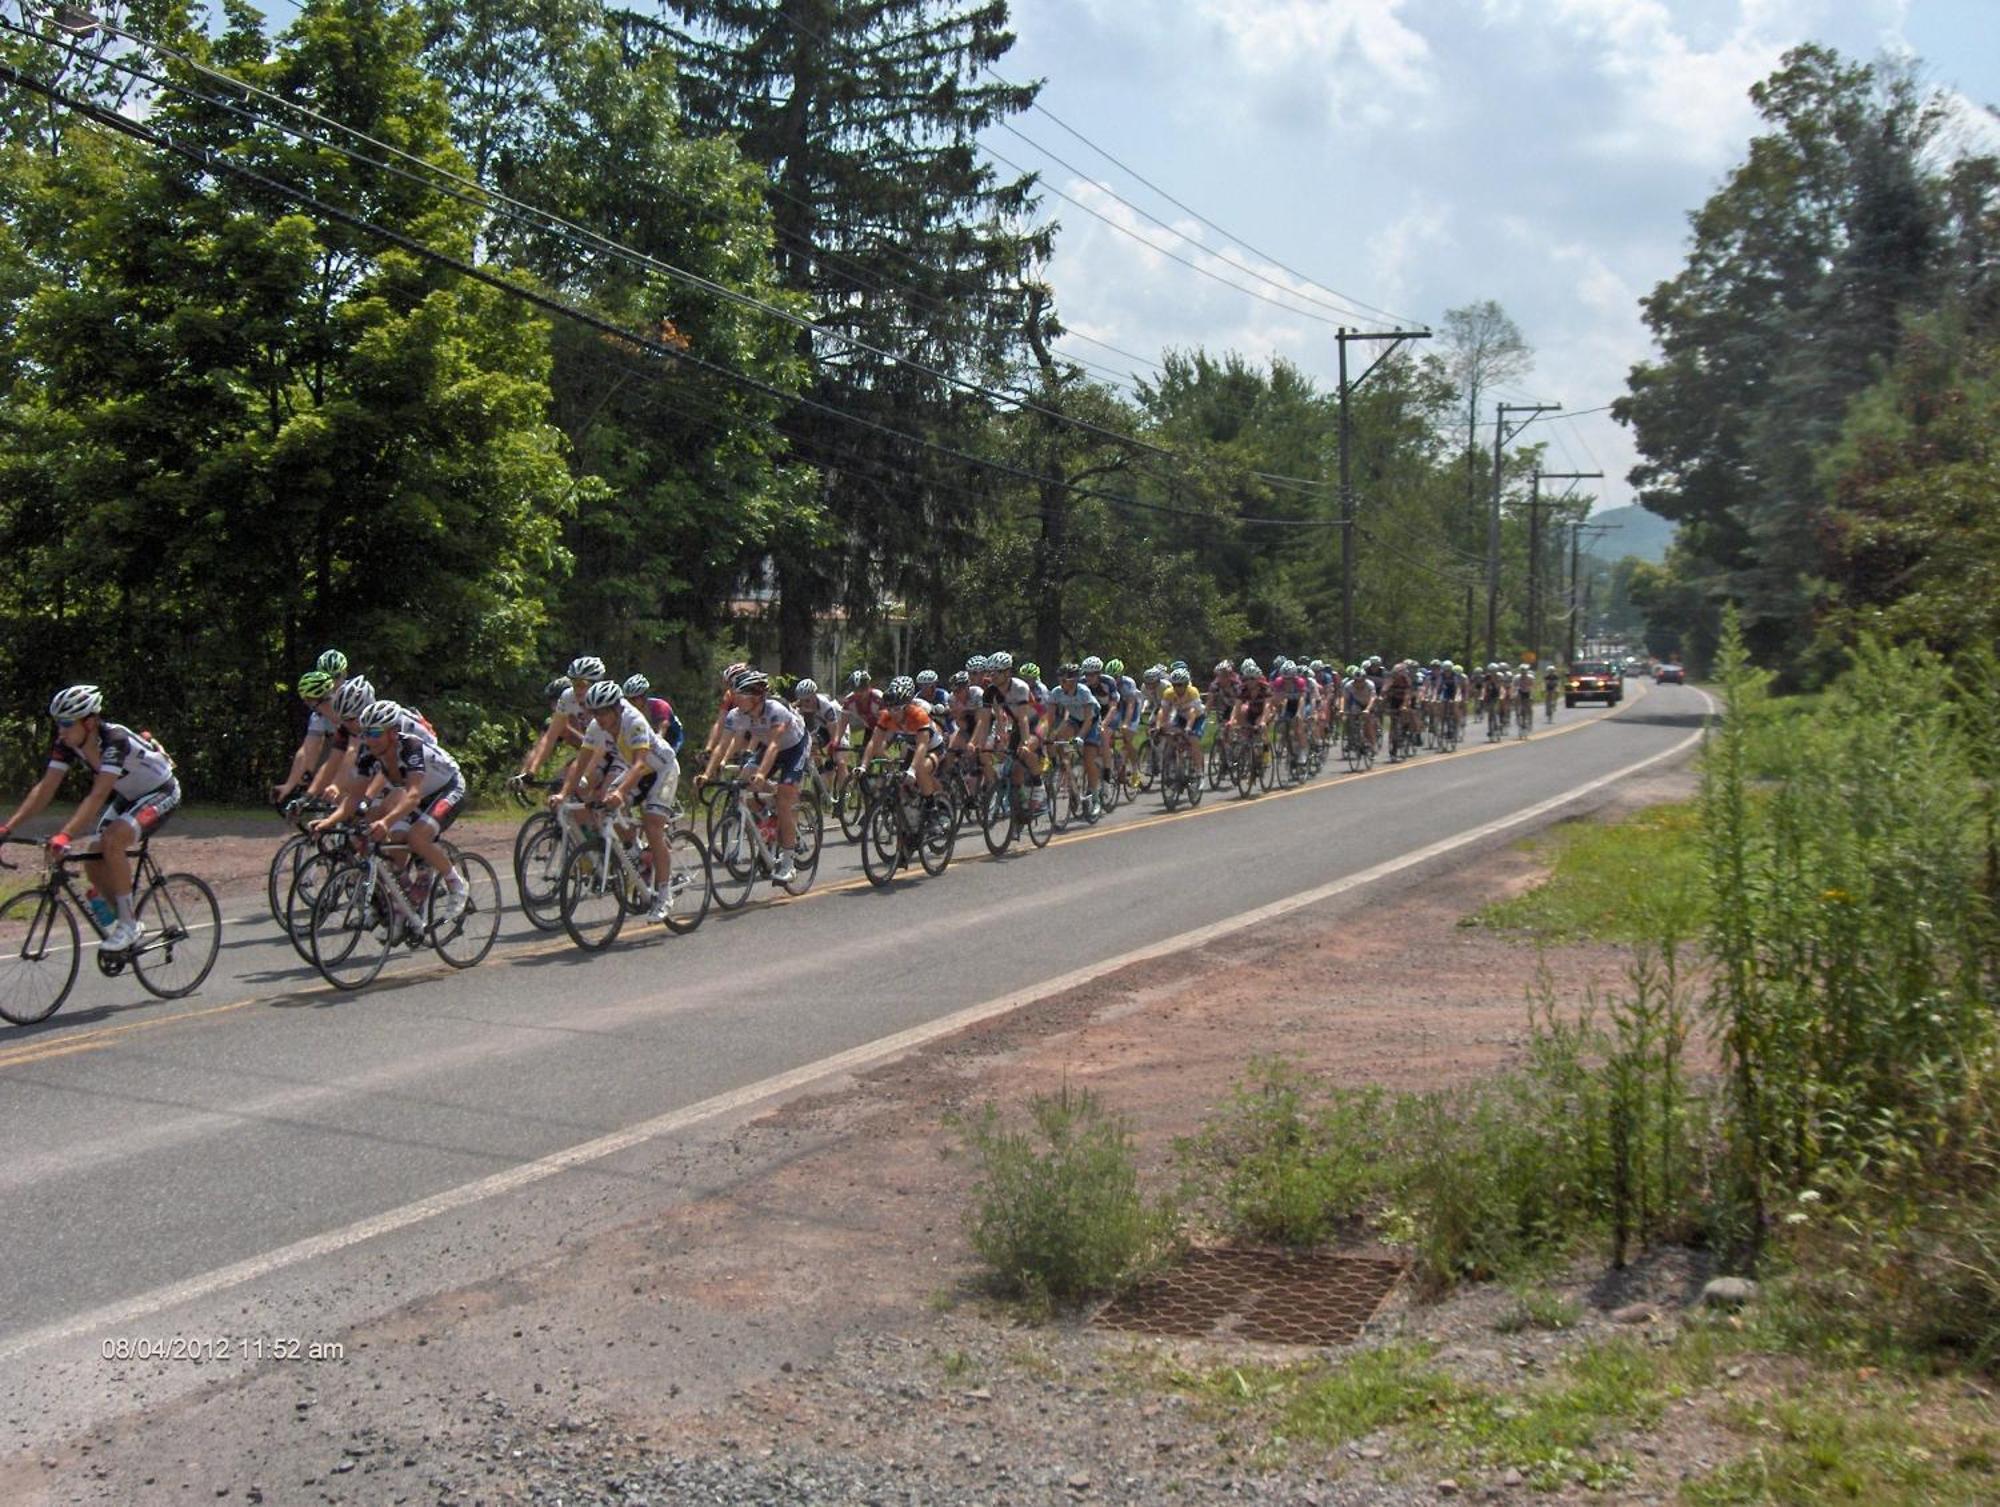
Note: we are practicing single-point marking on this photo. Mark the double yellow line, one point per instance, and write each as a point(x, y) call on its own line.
point(102, 1037)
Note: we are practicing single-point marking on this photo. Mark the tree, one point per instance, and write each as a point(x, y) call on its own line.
point(232, 435)
point(905, 245)
point(688, 473)
point(1801, 272)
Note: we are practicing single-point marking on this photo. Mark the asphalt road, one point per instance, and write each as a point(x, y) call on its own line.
point(270, 1152)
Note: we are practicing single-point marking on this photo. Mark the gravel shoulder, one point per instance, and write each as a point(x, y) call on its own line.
point(804, 1323)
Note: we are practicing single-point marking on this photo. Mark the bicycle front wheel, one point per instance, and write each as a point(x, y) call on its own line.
point(467, 940)
point(881, 848)
point(38, 956)
point(808, 833)
point(1039, 822)
point(593, 899)
point(940, 834)
point(306, 885)
point(734, 857)
point(538, 875)
point(183, 935)
point(284, 868)
point(694, 882)
point(996, 817)
point(351, 933)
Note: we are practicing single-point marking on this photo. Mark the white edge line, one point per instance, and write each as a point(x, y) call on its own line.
point(869, 1054)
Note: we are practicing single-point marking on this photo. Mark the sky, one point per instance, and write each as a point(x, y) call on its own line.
point(1416, 156)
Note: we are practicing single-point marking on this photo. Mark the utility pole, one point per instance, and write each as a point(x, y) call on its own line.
point(1502, 434)
point(1342, 337)
point(1537, 619)
point(1576, 533)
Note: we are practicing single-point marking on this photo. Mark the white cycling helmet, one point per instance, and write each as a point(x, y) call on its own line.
point(76, 702)
point(1003, 662)
point(387, 714)
point(1248, 667)
point(1092, 665)
point(637, 685)
point(586, 667)
point(605, 693)
point(926, 679)
point(353, 698)
point(805, 688)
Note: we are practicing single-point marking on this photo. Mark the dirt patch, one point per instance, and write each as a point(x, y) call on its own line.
point(803, 1325)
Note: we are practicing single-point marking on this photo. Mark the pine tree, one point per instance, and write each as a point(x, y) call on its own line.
point(864, 115)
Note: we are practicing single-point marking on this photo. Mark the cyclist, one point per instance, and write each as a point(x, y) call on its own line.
point(1451, 694)
point(1182, 714)
point(639, 765)
point(819, 712)
point(857, 713)
point(905, 717)
point(1399, 691)
point(567, 721)
point(1006, 723)
point(1524, 698)
point(1551, 686)
point(1253, 703)
point(132, 792)
point(420, 786)
point(765, 733)
point(657, 710)
point(1074, 714)
point(928, 690)
point(1127, 719)
point(1357, 706)
point(316, 750)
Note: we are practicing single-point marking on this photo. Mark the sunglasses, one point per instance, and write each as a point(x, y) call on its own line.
point(373, 732)
point(68, 721)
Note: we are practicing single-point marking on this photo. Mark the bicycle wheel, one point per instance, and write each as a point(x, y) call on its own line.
point(593, 900)
point(1038, 817)
point(733, 856)
point(850, 805)
point(1193, 786)
point(537, 822)
point(940, 835)
point(38, 955)
point(1278, 769)
point(284, 867)
point(1149, 767)
point(808, 835)
point(538, 877)
point(1173, 779)
point(881, 848)
point(183, 935)
point(467, 940)
point(693, 883)
point(351, 932)
point(306, 885)
point(996, 817)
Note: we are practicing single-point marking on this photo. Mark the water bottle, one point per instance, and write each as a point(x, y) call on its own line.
point(101, 908)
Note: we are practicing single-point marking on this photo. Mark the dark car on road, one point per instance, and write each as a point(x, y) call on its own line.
point(1594, 680)
point(1670, 674)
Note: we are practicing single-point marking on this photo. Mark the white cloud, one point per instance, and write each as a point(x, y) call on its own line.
point(1398, 248)
point(1279, 36)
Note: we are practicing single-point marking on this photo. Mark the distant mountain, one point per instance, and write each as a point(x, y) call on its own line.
point(1634, 531)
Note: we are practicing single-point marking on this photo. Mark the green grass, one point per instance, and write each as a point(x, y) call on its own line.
point(1888, 1447)
point(1630, 881)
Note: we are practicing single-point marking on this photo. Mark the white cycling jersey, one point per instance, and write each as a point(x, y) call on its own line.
point(775, 723)
point(140, 763)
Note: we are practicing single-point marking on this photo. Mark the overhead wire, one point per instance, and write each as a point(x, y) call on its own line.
point(510, 207)
point(211, 161)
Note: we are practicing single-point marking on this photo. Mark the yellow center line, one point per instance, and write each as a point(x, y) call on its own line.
point(102, 1037)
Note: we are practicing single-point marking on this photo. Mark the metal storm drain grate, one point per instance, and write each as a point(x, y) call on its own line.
point(1269, 1296)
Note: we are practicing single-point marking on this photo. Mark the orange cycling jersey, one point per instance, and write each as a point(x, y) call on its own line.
point(911, 717)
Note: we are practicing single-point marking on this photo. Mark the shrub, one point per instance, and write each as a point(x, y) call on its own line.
point(1058, 1214)
point(1285, 1161)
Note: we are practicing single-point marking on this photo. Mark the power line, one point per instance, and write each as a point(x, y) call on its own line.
point(1342, 308)
point(1126, 230)
point(213, 162)
point(1043, 110)
point(565, 228)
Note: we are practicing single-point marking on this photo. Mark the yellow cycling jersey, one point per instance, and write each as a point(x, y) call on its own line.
point(1181, 698)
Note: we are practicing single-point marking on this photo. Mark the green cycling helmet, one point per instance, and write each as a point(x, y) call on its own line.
point(315, 685)
point(333, 662)
point(1114, 667)
point(1031, 671)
